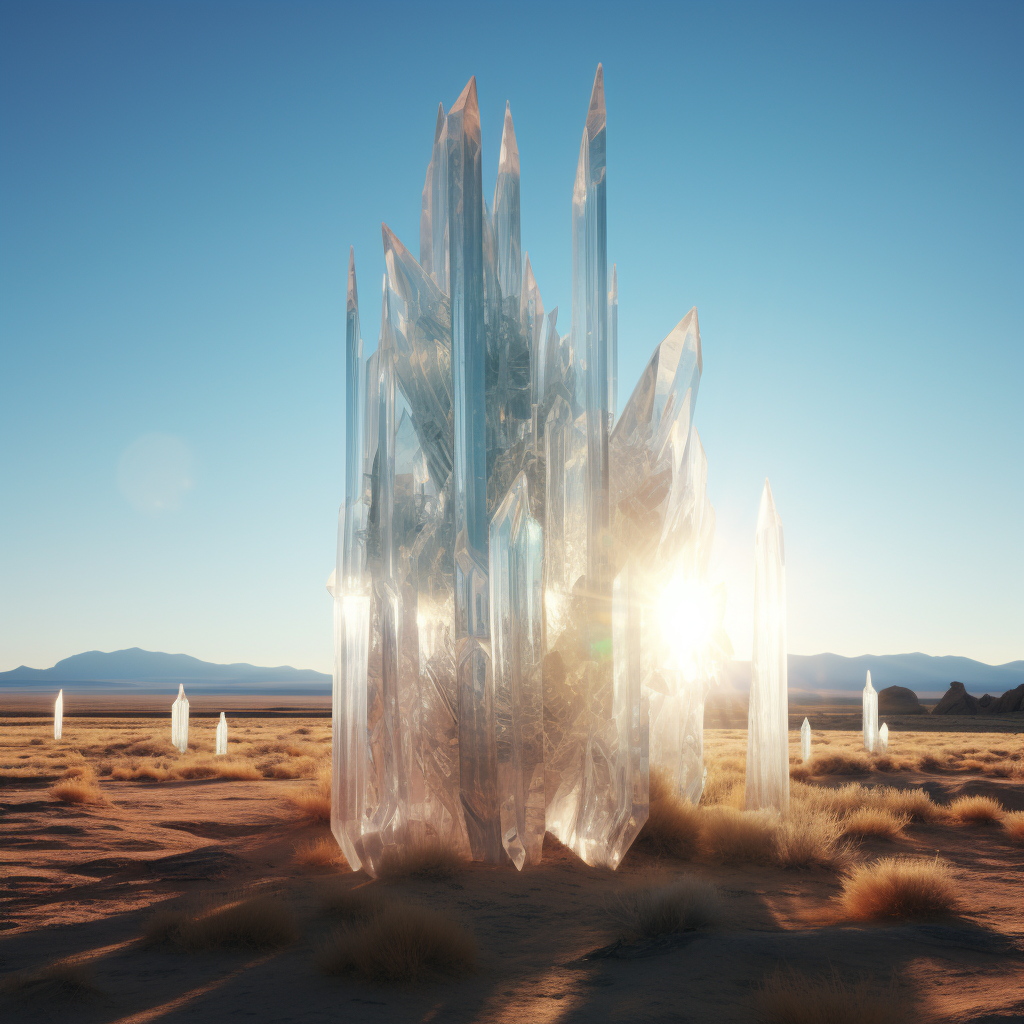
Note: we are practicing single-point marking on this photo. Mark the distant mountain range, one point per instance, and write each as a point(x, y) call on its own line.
point(138, 671)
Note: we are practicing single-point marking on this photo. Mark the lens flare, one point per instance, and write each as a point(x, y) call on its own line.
point(688, 617)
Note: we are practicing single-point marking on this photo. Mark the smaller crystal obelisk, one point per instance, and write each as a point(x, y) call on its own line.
point(222, 735)
point(869, 700)
point(768, 717)
point(58, 716)
point(179, 720)
point(805, 741)
point(883, 739)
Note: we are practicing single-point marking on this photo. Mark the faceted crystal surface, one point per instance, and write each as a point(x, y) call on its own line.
point(805, 741)
point(869, 708)
point(517, 632)
point(222, 735)
point(768, 718)
point(58, 716)
point(883, 739)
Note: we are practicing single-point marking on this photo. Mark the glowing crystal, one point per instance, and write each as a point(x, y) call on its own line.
point(768, 716)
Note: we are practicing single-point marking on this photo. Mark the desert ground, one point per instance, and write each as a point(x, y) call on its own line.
point(123, 861)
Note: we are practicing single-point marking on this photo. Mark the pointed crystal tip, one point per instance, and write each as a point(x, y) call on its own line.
point(508, 160)
point(353, 297)
point(596, 115)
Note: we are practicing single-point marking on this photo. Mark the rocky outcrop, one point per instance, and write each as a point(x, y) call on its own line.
point(957, 701)
point(899, 700)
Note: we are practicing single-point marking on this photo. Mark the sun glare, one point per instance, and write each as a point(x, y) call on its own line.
point(688, 614)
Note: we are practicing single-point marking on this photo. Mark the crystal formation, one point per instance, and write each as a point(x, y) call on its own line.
point(883, 739)
point(805, 741)
point(869, 703)
point(222, 735)
point(58, 716)
point(179, 720)
point(768, 717)
point(501, 534)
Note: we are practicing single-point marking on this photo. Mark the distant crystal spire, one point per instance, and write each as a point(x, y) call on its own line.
point(506, 215)
point(883, 739)
point(58, 716)
point(768, 718)
point(805, 741)
point(869, 702)
point(427, 203)
point(472, 615)
point(222, 736)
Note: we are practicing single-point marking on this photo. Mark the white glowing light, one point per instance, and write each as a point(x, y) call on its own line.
point(687, 615)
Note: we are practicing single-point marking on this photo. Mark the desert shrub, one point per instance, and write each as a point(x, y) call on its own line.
point(899, 887)
point(77, 791)
point(37, 742)
point(913, 802)
point(301, 731)
point(259, 923)
point(320, 853)
point(791, 998)
point(401, 944)
point(672, 828)
point(876, 822)
point(61, 981)
point(976, 810)
point(140, 773)
point(682, 905)
point(1013, 825)
point(79, 771)
point(730, 836)
point(426, 860)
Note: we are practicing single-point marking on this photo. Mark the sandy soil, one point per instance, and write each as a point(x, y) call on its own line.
point(80, 882)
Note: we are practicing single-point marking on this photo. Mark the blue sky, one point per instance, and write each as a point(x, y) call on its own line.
point(837, 188)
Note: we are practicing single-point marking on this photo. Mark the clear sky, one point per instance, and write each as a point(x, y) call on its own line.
point(837, 188)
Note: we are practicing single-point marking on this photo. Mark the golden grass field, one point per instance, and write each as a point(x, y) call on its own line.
point(146, 885)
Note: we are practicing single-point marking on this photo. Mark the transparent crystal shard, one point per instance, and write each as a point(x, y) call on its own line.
point(869, 708)
point(353, 551)
point(420, 324)
point(883, 739)
point(517, 631)
point(506, 215)
point(222, 736)
point(613, 347)
point(805, 741)
point(768, 716)
point(58, 716)
point(477, 759)
point(597, 738)
point(179, 720)
point(677, 732)
point(427, 203)
point(434, 209)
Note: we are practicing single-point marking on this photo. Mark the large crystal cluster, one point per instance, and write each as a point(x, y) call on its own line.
point(507, 549)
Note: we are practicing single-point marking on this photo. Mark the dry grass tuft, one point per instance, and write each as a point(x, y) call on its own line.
point(976, 810)
point(830, 763)
point(791, 998)
point(77, 791)
point(426, 860)
point(876, 822)
point(320, 853)
point(1013, 825)
point(686, 904)
point(314, 804)
point(916, 803)
point(63, 981)
point(359, 904)
point(732, 837)
point(899, 887)
point(673, 825)
point(810, 840)
point(259, 923)
point(402, 944)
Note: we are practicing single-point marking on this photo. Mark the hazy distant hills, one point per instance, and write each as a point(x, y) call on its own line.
point(138, 671)
point(919, 672)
